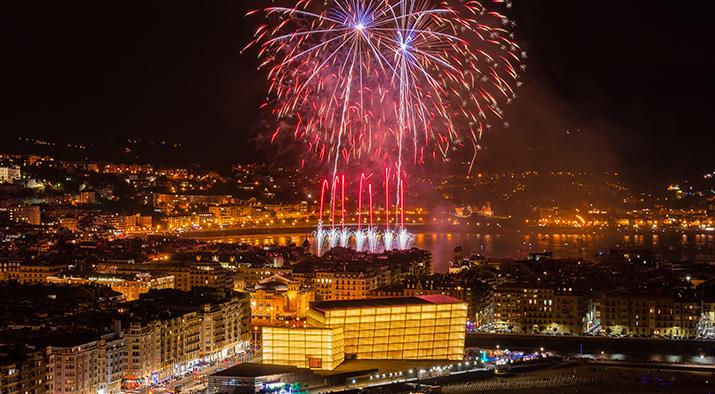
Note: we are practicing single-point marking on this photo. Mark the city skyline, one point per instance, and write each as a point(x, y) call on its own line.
point(343, 196)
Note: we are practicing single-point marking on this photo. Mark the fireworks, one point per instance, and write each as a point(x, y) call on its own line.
point(387, 238)
point(389, 79)
point(385, 80)
point(369, 239)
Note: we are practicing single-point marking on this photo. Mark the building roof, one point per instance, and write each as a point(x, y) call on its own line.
point(384, 302)
point(274, 282)
point(253, 370)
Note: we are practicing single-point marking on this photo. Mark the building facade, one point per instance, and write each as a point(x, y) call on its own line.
point(531, 308)
point(477, 294)
point(187, 274)
point(225, 328)
point(24, 370)
point(130, 286)
point(143, 362)
point(29, 214)
point(312, 347)
point(24, 273)
point(171, 342)
point(352, 284)
point(629, 313)
point(112, 363)
point(425, 327)
point(77, 367)
point(9, 174)
point(279, 300)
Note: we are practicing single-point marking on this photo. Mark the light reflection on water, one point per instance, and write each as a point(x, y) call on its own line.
point(673, 245)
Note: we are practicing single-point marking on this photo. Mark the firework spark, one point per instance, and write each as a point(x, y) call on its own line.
point(391, 79)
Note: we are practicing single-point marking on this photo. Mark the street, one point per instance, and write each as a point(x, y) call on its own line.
point(196, 381)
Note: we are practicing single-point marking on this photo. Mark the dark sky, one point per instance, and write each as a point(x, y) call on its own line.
point(624, 85)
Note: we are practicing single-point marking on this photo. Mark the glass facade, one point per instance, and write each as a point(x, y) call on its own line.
point(316, 348)
point(429, 327)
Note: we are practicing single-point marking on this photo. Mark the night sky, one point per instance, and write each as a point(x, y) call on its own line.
point(620, 85)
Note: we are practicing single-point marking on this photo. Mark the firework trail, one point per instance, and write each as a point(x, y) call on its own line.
point(373, 238)
point(386, 78)
point(320, 233)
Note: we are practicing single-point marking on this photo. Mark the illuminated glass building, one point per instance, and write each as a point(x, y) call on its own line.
point(315, 348)
point(426, 327)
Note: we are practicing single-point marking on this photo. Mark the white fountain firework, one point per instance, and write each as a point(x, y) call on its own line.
point(388, 237)
point(404, 239)
point(319, 235)
point(333, 237)
point(360, 240)
point(373, 239)
point(345, 237)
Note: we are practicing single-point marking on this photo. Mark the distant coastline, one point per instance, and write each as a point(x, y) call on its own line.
point(291, 230)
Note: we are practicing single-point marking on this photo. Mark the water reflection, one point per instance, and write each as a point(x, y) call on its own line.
point(676, 246)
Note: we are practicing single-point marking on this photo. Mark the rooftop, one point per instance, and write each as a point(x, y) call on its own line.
point(254, 370)
point(385, 302)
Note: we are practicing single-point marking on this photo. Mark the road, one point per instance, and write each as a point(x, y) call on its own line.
point(196, 381)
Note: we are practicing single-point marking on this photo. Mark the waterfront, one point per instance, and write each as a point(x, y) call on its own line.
point(626, 349)
point(517, 244)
